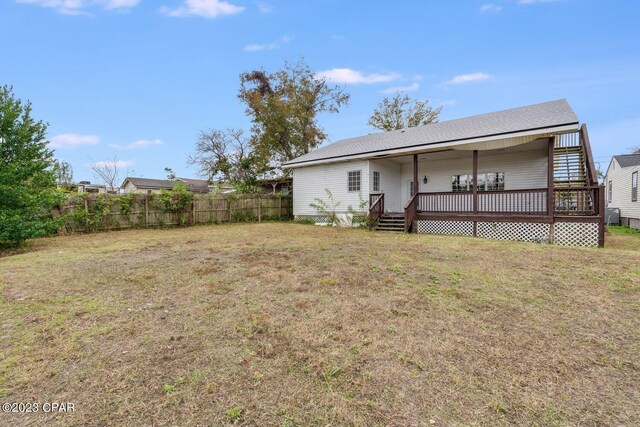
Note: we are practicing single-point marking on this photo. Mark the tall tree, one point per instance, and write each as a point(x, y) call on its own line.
point(227, 155)
point(284, 108)
point(64, 173)
point(402, 112)
point(27, 177)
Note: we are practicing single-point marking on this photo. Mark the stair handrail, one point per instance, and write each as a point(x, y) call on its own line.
point(376, 209)
point(410, 212)
point(586, 147)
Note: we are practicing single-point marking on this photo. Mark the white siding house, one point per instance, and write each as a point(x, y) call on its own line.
point(621, 183)
point(520, 174)
point(312, 182)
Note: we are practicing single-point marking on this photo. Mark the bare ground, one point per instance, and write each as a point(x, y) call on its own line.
point(289, 324)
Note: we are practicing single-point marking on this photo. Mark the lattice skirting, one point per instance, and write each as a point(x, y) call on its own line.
point(458, 228)
point(522, 231)
point(575, 234)
point(318, 219)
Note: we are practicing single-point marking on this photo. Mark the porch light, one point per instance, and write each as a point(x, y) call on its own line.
point(424, 180)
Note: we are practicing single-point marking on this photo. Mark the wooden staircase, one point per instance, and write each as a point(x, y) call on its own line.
point(569, 167)
point(391, 222)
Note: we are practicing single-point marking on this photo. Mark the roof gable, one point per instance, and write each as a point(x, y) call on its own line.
point(627, 160)
point(530, 118)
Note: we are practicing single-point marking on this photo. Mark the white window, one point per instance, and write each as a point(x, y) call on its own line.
point(610, 191)
point(353, 180)
point(490, 181)
point(634, 187)
point(494, 180)
point(376, 182)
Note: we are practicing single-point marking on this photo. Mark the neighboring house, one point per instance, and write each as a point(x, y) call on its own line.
point(155, 186)
point(276, 185)
point(88, 187)
point(264, 186)
point(533, 166)
point(621, 184)
point(84, 187)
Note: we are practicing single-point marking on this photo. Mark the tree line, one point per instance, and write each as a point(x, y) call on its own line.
point(283, 109)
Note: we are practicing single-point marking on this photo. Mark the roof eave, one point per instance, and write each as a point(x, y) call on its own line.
point(541, 132)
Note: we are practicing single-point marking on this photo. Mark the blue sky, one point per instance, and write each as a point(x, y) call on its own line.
point(138, 79)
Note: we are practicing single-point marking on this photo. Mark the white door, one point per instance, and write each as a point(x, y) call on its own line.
point(410, 191)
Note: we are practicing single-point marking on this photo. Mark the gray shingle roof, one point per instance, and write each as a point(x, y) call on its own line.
point(150, 182)
point(627, 160)
point(539, 116)
point(197, 185)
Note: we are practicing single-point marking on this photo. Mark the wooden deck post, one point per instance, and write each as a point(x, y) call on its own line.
point(601, 211)
point(550, 199)
point(415, 175)
point(475, 191)
point(475, 181)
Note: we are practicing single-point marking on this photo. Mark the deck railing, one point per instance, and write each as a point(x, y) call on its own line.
point(376, 207)
point(526, 202)
point(576, 201)
point(445, 202)
point(581, 201)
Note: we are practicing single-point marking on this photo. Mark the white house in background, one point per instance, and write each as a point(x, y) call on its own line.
point(621, 184)
point(520, 174)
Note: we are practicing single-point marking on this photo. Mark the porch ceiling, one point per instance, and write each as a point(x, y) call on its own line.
point(466, 152)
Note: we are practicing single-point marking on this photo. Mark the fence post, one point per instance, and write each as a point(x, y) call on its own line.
point(146, 210)
point(86, 214)
point(259, 209)
point(279, 206)
point(229, 203)
point(193, 211)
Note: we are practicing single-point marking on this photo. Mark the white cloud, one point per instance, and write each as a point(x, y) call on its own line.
point(466, 78)
point(111, 163)
point(203, 8)
point(141, 143)
point(78, 7)
point(349, 76)
point(256, 47)
point(119, 4)
point(490, 8)
point(411, 88)
point(265, 7)
point(70, 140)
point(337, 37)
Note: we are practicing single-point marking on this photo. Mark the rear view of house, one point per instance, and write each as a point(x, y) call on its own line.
point(520, 174)
point(621, 184)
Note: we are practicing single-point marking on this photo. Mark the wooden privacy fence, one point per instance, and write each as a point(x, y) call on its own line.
point(112, 212)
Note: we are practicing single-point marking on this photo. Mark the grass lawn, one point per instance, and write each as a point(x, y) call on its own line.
point(289, 324)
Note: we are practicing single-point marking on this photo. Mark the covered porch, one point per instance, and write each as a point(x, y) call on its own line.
point(492, 185)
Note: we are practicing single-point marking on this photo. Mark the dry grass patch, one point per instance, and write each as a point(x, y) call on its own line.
point(287, 324)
